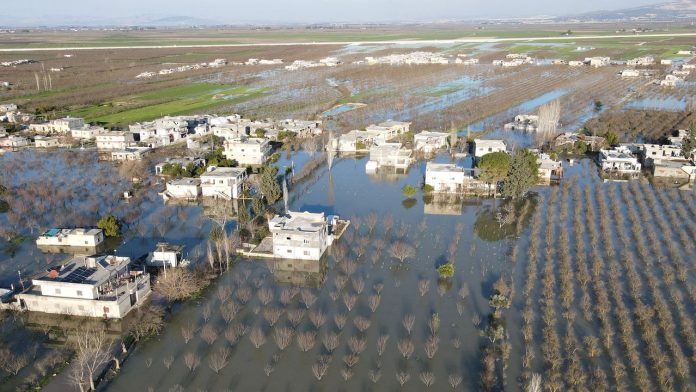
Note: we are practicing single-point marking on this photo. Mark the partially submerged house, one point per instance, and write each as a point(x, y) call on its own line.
point(92, 286)
point(390, 155)
point(302, 235)
point(130, 154)
point(568, 141)
point(79, 237)
point(549, 169)
point(248, 151)
point(183, 162)
point(523, 122)
point(452, 178)
point(183, 188)
point(429, 142)
point(482, 147)
point(167, 255)
point(59, 126)
point(223, 182)
point(114, 140)
point(46, 142)
point(619, 160)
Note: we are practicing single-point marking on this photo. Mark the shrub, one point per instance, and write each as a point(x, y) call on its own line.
point(409, 190)
point(110, 225)
point(446, 270)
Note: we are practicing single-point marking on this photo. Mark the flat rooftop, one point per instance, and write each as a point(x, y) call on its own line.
point(224, 172)
point(443, 167)
point(185, 181)
point(85, 270)
point(299, 221)
point(67, 232)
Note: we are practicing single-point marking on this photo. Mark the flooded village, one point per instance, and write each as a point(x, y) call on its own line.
point(369, 246)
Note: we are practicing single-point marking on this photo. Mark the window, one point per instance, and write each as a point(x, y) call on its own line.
point(106, 309)
point(79, 293)
point(57, 291)
point(289, 251)
point(306, 241)
point(306, 253)
point(289, 238)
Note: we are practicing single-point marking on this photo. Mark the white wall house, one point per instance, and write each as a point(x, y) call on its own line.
point(130, 154)
point(429, 142)
point(13, 141)
point(224, 182)
point(485, 146)
point(389, 129)
point(620, 160)
point(301, 235)
point(71, 237)
point(389, 154)
point(114, 140)
point(167, 255)
point(657, 152)
point(62, 126)
point(183, 162)
point(451, 178)
point(248, 151)
point(46, 142)
point(86, 133)
point(183, 188)
point(94, 286)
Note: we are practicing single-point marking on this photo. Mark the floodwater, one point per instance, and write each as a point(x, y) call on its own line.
point(658, 103)
point(359, 274)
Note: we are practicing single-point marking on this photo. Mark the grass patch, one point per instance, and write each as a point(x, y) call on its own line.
point(179, 100)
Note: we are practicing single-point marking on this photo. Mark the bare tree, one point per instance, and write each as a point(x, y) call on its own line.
point(209, 333)
point(282, 337)
point(402, 251)
point(340, 320)
point(402, 378)
point(177, 284)
point(349, 300)
point(187, 332)
point(549, 114)
point(428, 378)
point(319, 369)
point(405, 347)
point(308, 298)
point(191, 360)
point(317, 317)
point(305, 340)
point(382, 344)
point(373, 302)
point(92, 352)
point(257, 337)
point(12, 362)
point(454, 380)
point(408, 321)
point(534, 384)
point(357, 344)
point(361, 323)
point(218, 359)
point(330, 341)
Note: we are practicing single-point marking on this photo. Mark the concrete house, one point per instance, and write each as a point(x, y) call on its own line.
point(652, 153)
point(453, 179)
point(429, 142)
point(46, 142)
point(549, 169)
point(13, 141)
point(389, 129)
point(619, 160)
point(183, 162)
point(114, 140)
point(78, 237)
point(630, 73)
point(248, 151)
point(183, 188)
point(86, 132)
point(389, 154)
point(60, 126)
point(8, 107)
point(93, 286)
point(523, 122)
point(130, 154)
point(301, 235)
point(224, 182)
point(598, 61)
point(482, 147)
point(167, 255)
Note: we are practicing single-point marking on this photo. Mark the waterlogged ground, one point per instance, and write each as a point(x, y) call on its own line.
point(579, 257)
point(343, 326)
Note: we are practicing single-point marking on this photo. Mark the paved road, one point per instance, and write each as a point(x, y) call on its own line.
point(357, 43)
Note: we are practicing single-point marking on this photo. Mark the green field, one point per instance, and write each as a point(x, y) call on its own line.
point(172, 101)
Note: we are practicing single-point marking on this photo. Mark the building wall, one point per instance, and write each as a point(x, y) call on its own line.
point(67, 290)
point(72, 240)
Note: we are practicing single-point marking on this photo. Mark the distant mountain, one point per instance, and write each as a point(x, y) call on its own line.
point(172, 21)
point(674, 10)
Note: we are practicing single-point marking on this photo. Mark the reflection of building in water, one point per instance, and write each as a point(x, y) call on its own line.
point(59, 328)
point(447, 204)
point(306, 273)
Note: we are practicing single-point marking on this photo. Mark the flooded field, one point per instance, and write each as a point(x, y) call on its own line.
point(573, 259)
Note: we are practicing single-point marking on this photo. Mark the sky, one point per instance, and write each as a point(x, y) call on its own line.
point(90, 12)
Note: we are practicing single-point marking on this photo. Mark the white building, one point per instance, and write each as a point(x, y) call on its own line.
point(576, 63)
point(167, 255)
point(619, 160)
point(301, 235)
point(86, 132)
point(390, 129)
point(665, 62)
point(523, 122)
point(94, 286)
point(485, 146)
point(630, 73)
point(549, 169)
point(248, 151)
point(61, 126)
point(388, 154)
point(224, 182)
point(671, 81)
point(598, 61)
point(451, 178)
point(71, 238)
point(129, 154)
point(114, 140)
point(183, 188)
point(183, 162)
point(46, 142)
point(429, 142)
point(656, 152)
point(13, 141)
point(641, 61)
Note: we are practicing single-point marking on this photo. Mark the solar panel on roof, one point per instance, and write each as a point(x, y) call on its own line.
point(79, 275)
